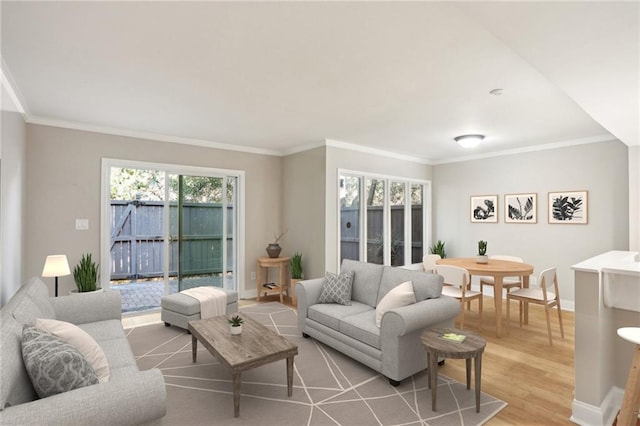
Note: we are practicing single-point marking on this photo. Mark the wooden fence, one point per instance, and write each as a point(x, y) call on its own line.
point(137, 239)
point(350, 234)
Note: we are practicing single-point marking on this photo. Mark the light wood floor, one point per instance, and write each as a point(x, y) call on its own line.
point(535, 379)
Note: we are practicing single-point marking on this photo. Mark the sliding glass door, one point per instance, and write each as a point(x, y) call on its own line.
point(168, 228)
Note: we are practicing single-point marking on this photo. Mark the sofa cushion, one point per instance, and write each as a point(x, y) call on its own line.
point(425, 285)
point(337, 288)
point(79, 338)
point(366, 280)
point(54, 365)
point(330, 314)
point(362, 327)
point(401, 295)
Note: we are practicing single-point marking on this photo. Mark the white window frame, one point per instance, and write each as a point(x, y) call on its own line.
point(178, 169)
point(408, 182)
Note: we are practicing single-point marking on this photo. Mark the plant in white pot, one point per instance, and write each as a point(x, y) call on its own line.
point(236, 324)
point(482, 252)
point(296, 274)
point(85, 274)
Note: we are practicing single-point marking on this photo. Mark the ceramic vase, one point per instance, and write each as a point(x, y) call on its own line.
point(235, 330)
point(273, 250)
point(482, 259)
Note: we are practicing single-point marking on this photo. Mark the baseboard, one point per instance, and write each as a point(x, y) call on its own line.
point(590, 415)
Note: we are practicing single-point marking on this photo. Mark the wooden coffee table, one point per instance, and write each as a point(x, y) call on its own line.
point(256, 346)
point(471, 348)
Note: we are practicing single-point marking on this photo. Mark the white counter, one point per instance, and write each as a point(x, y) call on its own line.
point(607, 297)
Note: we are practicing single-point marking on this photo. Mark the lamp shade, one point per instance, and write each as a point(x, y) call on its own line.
point(469, 141)
point(56, 265)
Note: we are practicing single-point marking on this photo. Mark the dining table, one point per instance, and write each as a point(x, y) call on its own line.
point(498, 269)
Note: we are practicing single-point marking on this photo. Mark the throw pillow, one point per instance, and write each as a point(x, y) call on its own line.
point(54, 365)
point(401, 295)
point(337, 288)
point(81, 340)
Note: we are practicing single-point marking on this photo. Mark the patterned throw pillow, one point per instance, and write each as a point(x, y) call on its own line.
point(337, 288)
point(80, 340)
point(54, 365)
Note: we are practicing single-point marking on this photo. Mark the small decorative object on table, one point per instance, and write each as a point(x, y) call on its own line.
point(236, 324)
point(274, 249)
point(482, 252)
point(454, 337)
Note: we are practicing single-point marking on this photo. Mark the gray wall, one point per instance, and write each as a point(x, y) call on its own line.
point(338, 158)
point(303, 188)
point(63, 184)
point(600, 168)
point(12, 199)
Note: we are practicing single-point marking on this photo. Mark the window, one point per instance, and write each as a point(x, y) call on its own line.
point(390, 227)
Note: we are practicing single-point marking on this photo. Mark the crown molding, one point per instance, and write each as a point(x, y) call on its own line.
point(149, 136)
point(6, 79)
point(554, 145)
point(353, 147)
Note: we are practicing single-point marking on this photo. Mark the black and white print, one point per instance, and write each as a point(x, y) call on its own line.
point(484, 208)
point(569, 207)
point(521, 208)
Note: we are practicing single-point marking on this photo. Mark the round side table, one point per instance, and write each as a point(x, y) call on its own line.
point(471, 348)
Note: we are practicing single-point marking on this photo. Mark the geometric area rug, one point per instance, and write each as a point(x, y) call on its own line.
point(329, 388)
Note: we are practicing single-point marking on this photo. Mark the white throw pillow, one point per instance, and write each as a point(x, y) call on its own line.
point(401, 295)
point(81, 340)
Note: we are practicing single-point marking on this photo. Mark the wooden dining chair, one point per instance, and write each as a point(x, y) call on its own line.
point(541, 296)
point(456, 281)
point(429, 262)
point(507, 282)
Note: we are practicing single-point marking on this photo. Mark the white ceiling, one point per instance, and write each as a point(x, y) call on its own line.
point(277, 76)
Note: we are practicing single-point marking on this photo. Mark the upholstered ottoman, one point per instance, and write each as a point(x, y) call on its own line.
point(178, 309)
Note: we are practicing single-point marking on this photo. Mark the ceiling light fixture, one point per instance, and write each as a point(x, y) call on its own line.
point(496, 92)
point(469, 141)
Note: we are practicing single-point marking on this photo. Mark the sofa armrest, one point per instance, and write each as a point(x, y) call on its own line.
point(307, 293)
point(424, 314)
point(138, 398)
point(92, 307)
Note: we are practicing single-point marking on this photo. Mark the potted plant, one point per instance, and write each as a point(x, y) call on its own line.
point(482, 252)
point(273, 249)
point(236, 324)
point(296, 274)
point(85, 274)
point(438, 248)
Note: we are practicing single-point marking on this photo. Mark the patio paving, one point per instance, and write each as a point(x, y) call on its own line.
point(144, 296)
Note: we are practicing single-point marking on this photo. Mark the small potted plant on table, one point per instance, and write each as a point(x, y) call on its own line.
point(482, 252)
point(236, 324)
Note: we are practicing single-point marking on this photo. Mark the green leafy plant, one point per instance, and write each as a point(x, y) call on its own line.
point(482, 248)
point(236, 321)
point(85, 274)
point(438, 248)
point(296, 266)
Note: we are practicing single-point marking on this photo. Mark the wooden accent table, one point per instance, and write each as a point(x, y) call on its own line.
point(498, 269)
point(472, 347)
point(256, 346)
point(264, 263)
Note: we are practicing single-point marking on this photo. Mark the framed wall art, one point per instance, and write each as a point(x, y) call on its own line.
point(484, 208)
point(568, 207)
point(521, 208)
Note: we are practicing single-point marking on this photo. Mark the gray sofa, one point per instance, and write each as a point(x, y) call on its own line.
point(394, 349)
point(129, 397)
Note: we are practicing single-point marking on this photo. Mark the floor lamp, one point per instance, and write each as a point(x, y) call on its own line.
point(56, 266)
